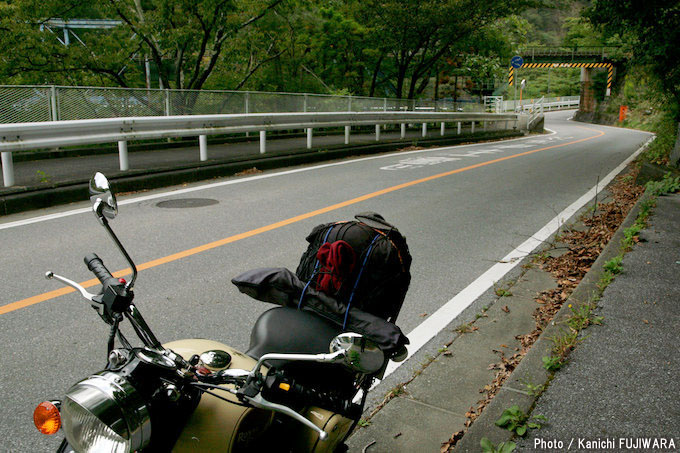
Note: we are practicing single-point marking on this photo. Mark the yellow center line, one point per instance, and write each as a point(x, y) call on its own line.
point(211, 245)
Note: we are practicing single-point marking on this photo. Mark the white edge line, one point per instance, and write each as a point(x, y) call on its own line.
point(440, 319)
point(139, 199)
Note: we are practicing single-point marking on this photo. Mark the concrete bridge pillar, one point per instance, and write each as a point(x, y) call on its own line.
point(587, 104)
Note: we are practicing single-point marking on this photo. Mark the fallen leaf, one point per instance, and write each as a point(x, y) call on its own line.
point(506, 309)
point(645, 321)
point(422, 315)
point(397, 435)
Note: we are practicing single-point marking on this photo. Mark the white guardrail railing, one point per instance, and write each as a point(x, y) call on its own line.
point(41, 135)
point(554, 103)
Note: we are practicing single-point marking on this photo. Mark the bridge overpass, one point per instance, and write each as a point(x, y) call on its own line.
point(585, 58)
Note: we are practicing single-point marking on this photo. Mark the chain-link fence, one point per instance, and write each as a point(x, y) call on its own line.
point(20, 104)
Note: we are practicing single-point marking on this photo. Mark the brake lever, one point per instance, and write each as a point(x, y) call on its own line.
point(95, 299)
point(51, 275)
point(259, 402)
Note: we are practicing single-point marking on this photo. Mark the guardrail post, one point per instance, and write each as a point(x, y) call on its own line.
point(377, 132)
point(472, 128)
point(123, 155)
point(349, 103)
point(309, 138)
point(424, 129)
point(459, 127)
point(203, 147)
point(53, 103)
point(247, 108)
point(347, 128)
point(443, 129)
point(7, 168)
point(263, 142)
point(167, 102)
point(403, 130)
point(384, 104)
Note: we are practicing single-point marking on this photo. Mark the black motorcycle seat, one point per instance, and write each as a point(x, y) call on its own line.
point(289, 331)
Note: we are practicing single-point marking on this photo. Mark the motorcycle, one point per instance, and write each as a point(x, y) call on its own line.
point(301, 385)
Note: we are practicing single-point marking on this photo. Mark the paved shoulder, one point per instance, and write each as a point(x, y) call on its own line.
point(620, 390)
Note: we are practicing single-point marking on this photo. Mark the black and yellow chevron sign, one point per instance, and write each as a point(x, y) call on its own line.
point(609, 66)
point(565, 65)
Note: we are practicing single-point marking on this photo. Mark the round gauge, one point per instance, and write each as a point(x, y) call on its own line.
point(155, 358)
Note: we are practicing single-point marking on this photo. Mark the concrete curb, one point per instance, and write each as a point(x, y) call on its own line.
point(530, 369)
point(23, 199)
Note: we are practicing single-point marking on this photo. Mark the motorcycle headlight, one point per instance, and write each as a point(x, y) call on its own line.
point(105, 413)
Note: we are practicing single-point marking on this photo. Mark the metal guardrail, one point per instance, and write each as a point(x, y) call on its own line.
point(536, 113)
point(554, 103)
point(20, 104)
point(29, 136)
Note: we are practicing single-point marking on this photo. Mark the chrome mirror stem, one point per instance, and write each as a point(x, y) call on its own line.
point(131, 283)
point(141, 328)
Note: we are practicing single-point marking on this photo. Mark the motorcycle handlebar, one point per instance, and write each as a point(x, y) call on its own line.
point(96, 266)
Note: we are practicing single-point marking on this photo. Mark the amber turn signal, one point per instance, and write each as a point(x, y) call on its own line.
point(47, 418)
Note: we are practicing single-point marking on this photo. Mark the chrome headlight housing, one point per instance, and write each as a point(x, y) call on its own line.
point(105, 413)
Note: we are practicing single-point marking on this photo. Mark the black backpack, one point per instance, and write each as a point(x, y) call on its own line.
point(381, 274)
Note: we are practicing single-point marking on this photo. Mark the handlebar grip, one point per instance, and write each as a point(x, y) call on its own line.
point(96, 266)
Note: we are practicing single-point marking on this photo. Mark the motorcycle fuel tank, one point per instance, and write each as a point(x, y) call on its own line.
point(217, 425)
point(220, 426)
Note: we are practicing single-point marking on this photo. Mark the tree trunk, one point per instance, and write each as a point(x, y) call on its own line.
point(374, 79)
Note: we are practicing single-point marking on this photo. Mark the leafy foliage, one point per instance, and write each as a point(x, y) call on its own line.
point(503, 447)
point(651, 29)
point(183, 39)
point(515, 420)
point(668, 184)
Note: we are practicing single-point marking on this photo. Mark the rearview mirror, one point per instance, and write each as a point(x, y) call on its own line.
point(103, 200)
point(361, 354)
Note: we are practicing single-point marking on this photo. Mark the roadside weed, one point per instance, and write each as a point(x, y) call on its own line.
point(667, 185)
point(564, 343)
point(582, 316)
point(614, 265)
point(502, 292)
point(466, 327)
point(611, 268)
point(551, 363)
point(503, 447)
point(515, 420)
point(42, 176)
point(534, 389)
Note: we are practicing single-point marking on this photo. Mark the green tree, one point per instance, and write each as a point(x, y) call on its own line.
point(652, 30)
point(415, 35)
point(184, 39)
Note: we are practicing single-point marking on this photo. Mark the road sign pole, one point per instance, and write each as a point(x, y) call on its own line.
point(516, 62)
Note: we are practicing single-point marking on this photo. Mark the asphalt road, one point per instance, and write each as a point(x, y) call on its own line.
point(461, 208)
